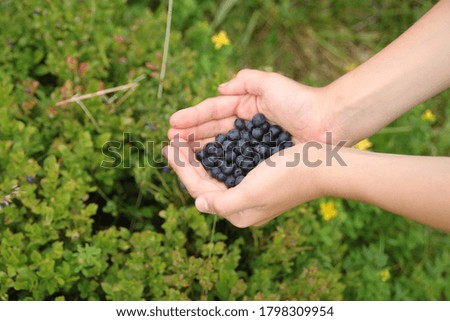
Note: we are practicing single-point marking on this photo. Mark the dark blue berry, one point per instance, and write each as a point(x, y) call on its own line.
point(238, 172)
point(209, 162)
point(286, 145)
point(227, 169)
point(239, 124)
point(234, 134)
point(265, 127)
point(274, 131)
point(247, 164)
point(30, 179)
point(230, 182)
point(215, 171)
point(264, 151)
point(249, 125)
point(245, 135)
point(220, 138)
point(257, 133)
point(238, 180)
point(165, 169)
point(283, 137)
point(258, 119)
point(257, 159)
point(230, 156)
point(221, 177)
point(268, 140)
point(248, 151)
point(274, 150)
point(199, 155)
point(213, 149)
point(228, 145)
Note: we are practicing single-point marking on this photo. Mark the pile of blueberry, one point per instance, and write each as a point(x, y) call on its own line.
point(236, 153)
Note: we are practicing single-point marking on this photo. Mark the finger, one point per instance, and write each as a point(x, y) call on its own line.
point(210, 109)
point(235, 204)
point(202, 131)
point(200, 144)
point(247, 81)
point(190, 172)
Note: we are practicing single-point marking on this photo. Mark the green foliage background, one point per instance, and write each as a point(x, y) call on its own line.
point(78, 231)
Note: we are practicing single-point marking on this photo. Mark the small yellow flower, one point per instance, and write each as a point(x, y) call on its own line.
point(428, 116)
point(349, 67)
point(220, 39)
point(328, 210)
point(364, 144)
point(385, 275)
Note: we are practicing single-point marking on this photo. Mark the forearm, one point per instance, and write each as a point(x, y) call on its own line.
point(415, 187)
point(413, 68)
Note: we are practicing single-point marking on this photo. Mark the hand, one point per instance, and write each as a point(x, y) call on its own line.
point(274, 186)
point(297, 108)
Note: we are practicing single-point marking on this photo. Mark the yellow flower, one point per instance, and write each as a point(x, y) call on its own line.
point(385, 275)
point(220, 39)
point(428, 116)
point(349, 67)
point(328, 210)
point(364, 144)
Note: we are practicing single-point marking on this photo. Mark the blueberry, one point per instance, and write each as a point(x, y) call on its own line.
point(247, 164)
point(283, 137)
point(234, 134)
point(257, 133)
point(265, 127)
point(257, 159)
point(30, 179)
point(220, 138)
point(274, 150)
point(213, 149)
point(264, 151)
point(275, 130)
point(209, 162)
point(239, 160)
point(248, 151)
point(199, 155)
point(215, 171)
point(267, 139)
point(286, 145)
point(227, 169)
point(258, 119)
point(230, 182)
point(242, 143)
point(254, 142)
point(238, 172)
point(249, 125)
point(165, 169)
point(221, 177)
point(228, 145)
point(230, 156)
point(239, 124)
point(238, 180)
point(245, 135)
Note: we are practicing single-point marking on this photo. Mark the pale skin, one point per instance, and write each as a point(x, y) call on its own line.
point(413, 68)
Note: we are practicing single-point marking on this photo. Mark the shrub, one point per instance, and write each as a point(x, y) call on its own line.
point(71, 229)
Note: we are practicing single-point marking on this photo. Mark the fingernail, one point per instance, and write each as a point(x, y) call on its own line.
point(224, 84)
point(202, 205)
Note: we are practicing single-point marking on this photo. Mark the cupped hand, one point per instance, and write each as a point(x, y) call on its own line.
point(300, 109)
point(274, 186)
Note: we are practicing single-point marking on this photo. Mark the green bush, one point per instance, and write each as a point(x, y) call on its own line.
point(71, 229)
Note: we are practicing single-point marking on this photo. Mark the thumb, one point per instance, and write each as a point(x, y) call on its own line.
point(247, 81)
point(223, 203)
